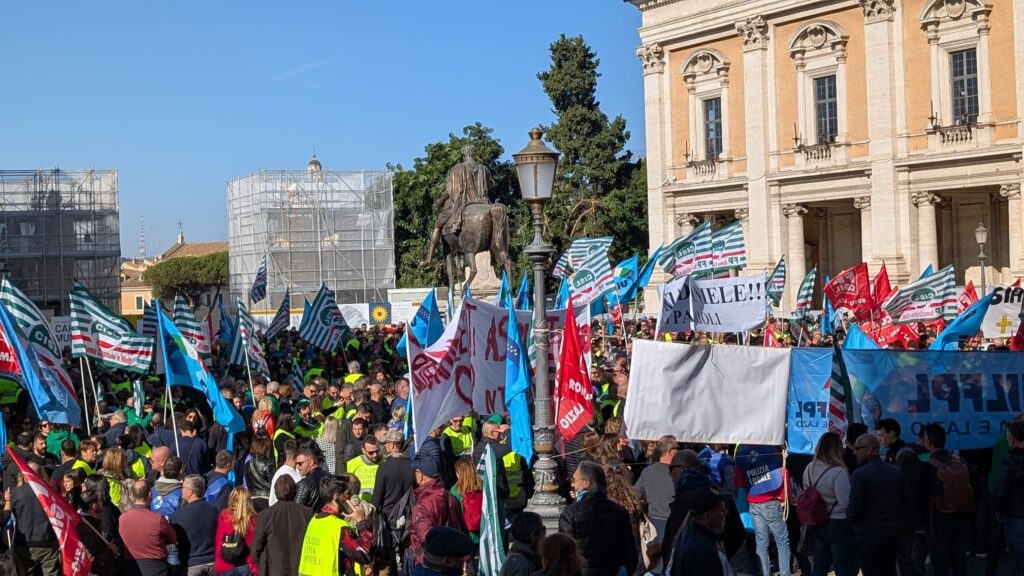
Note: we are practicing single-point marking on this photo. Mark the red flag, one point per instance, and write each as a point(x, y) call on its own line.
point(881, 288)
point(1017, 342)
point(770, 341)
point(63, 519)
point(967, 297)
point(851, 289)
point(1016, 284)
point(886, 333)
point(574, 394)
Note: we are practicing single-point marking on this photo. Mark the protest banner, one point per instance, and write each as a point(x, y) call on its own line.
point(807, 418)
point(972, 394)
point(720, 305)
point(708, 394)
point(1001, 320)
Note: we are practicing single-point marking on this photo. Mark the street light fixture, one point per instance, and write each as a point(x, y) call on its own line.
point(535, 165)
point(981, 236)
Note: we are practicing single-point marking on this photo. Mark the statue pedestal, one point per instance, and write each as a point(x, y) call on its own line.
point(486, 285)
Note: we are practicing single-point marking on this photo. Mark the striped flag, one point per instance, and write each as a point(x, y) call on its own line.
point(283, 319)
point(259, 284)
point(97, 332)
point(35, 326)
point(805, 296)
point(930, 298)
point(582, 248)
point(728, 249)
point(186, 323)
point(148, 325)
point(777, 282)
point(492, 553)
point(839, 391)
point(245, 346)
point(325, 326)
point(562, 268)
point(591, 280)
point(689, 254)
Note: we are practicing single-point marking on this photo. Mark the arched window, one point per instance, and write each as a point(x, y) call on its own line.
point(958, 42)
point(818, 50)
point(706, 73)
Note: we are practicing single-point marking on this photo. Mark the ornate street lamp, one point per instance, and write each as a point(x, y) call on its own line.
point(535, 166)
point(981, 235)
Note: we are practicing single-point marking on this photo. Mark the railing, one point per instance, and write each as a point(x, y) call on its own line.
point(817, 153)
point(959, 134)
point(704, 167)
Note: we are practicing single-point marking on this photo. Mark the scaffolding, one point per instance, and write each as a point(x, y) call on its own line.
point(314, 226)
point(57, 226)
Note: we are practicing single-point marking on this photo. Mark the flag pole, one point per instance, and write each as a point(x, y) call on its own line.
point(85, 397)
point(174, 420)
point(248, 370)
point(92, 384)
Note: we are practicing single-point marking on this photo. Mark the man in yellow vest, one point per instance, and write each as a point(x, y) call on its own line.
point(365, 466)
point(462, 436)
point(88, 450)
point(353, 373)
point(338, 538)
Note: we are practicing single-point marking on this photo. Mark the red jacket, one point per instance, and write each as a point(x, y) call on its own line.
point(434, 506)
point(224, 527)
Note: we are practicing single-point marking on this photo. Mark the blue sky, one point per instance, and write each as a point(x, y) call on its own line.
point(180, 97)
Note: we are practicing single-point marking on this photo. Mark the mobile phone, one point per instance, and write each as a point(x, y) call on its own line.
point(345, 507)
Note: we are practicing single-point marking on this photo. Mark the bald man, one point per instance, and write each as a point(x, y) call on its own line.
point(876, 507)
point(146, 535)
point(157, 459)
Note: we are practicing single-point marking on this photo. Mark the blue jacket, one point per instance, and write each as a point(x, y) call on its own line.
point(876, 499)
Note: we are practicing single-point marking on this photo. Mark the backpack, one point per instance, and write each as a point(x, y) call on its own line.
point(811, 507)
point(472, 509)
point(400, 517)
point(957, 496)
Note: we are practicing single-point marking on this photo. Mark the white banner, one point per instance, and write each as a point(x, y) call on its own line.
point(1001, 321)
point(708, 394)
point(722, 305)
point(61, 328)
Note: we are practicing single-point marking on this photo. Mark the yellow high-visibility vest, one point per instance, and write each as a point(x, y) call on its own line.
point(273, 441)
point(462, 441)
point(320, 547)
point(514, 473)
point(367, 474)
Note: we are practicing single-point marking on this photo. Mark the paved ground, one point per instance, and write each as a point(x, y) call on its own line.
point(746, 566)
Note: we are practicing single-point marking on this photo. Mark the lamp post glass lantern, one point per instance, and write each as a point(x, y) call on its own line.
point(981, 236)
point(535, 166)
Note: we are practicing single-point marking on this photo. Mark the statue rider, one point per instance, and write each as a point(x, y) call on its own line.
point(468, 183)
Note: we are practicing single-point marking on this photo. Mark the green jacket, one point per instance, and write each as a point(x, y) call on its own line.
point(133, 418)
point(57, 437)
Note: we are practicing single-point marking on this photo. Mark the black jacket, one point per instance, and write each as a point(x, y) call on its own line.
point(604, 533)
point(196, 526)
point(500, 451)
point(876, 499)
point(33, 525)
point(307, 491)
point(522, 560)
point(696, 552)
point(258, 473)
point(395, 477)
point(1009, 492)
point(277, 540)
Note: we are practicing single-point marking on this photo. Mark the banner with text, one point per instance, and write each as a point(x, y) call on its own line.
point(972, 394)
point(720, 305)
point(1001, 320)
point(807, 419)
point(708, 394)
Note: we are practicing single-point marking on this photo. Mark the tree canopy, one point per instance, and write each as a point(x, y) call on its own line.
point(190, 275)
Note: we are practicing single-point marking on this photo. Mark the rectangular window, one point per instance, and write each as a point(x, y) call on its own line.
point(712, 128)
point(138, 302)
point(826, 110)
point(963, 67)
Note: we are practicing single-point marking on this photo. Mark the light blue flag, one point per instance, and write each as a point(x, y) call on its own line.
point(227, 328)
point(184, 367)
point(563, 295)
point(927, 272)
point(627, 279)
point(517, 384)
point(50, 398)
point(426, 325)
point(644, 277)
point(504, 293)
point(469, 292)
point(856, 339)
point(3, 435)
point(305, 315)
point(523, 297)
point(967, 324)
point(827, 314)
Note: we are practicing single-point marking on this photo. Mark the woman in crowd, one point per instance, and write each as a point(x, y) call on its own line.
point(235, 527)
point(114, 469)
point(72, 488)
point(259, 470)
point(623, 494)
point(834, 545)
point(469, 492)
point(263, 418)
point(327, 443)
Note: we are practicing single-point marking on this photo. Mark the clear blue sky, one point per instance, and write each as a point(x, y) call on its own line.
point(182, 96)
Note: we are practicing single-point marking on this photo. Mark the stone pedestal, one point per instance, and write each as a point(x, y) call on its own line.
point(486, 284)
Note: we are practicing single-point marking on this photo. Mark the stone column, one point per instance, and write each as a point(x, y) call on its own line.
point(889, 222)
point(797, 259)
point(863, 203)
point(1014, 206)
point(927, 230)
point(652, 57)
point(686, 223)
point(757, 226)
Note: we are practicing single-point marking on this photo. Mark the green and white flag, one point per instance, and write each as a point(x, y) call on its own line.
point(189, 327)
point(492, 554)
point(930, 298)
point(690, 254)
point(97, 332)
point(37, 328)
point(777, 282)
point(581, 248)
point(805, 296)
point(728, 249)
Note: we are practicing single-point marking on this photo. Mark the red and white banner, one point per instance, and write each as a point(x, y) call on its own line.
point(63, 518)
point(967, 297)
point(574, 394)
point(850, 289)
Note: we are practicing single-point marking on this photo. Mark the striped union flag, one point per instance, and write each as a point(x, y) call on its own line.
point(37, 329)
point(930, 298)
point(805, 296)
point(189, 327)
point(562, 268)
point(689, 254)
point(591, 280)
point(244, 346)
point(325, 326)
point(728, 249)
point(492, 551)
point(582, 248)
point(777, 281)
point(99, 333)
point(148, 326)
point(259, 285)
point(282, 320)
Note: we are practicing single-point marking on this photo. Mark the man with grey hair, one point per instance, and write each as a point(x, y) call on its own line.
point(118, 424)
point(655, 483)
point(601, 527)
point(196, 525)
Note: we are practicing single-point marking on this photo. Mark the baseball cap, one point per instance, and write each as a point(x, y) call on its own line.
point(706, 499)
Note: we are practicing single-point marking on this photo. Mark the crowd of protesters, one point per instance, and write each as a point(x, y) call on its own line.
point(324, 481)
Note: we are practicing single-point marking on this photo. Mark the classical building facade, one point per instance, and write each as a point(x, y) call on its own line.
point(839, 131)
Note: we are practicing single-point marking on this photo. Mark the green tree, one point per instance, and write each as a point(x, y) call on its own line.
point(416, 189)
point(190, 275)
point(600, 190)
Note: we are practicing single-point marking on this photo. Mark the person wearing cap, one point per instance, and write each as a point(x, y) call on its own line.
point(306, 426)
point(445, 553)
point(434, 506)
point(698, 549)
point(395, 475)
